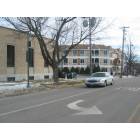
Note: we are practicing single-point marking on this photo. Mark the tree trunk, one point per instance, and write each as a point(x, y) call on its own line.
point(55, 74)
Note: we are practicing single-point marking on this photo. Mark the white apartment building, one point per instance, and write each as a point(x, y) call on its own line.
point(101, 55)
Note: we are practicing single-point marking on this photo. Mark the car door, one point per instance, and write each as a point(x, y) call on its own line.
point(109, 78)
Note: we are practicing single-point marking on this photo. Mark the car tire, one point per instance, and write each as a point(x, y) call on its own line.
point(105, 83)
point(112, 82)
point(88, 86)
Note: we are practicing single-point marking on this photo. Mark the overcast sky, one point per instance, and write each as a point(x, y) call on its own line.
point(114, 33)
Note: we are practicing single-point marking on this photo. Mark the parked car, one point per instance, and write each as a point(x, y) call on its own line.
point(72, 75)
point(99, 79)
point(62, 74)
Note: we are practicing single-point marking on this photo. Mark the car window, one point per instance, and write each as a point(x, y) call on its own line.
point(98, 75)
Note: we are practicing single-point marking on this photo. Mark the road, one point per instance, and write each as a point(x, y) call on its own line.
point(119, 103)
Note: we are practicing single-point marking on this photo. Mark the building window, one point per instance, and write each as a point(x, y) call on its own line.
point(81, 61)
point(46, 77)
point(66, 61)
point(46, 64)
point(92, 52)
point(81, 52)
point(93, 60)
point(74, 61)
point(9, 79)
point(96, 60)
point(105, 61)
point(31, 77)
point(31, 57)
point(74, 52)
point(96, 52)
point(104, 69)
point(10, 56)
point(105, 52)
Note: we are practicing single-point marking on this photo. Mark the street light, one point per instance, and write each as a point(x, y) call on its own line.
point(28, 57)
point(90, 23)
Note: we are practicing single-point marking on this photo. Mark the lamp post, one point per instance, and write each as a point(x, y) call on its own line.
point(90, 23)
point(28, 57)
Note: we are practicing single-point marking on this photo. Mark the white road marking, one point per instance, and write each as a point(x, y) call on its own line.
point(84, 111)
point(45, 103)
point(133, 89)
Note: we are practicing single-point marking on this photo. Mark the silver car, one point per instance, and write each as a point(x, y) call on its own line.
point(99, 79)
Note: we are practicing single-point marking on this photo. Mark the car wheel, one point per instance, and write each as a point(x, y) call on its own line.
point(105, 83)
point(112, 82)
point(88, 86)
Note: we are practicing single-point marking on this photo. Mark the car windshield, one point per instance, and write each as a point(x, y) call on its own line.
point(98, 75)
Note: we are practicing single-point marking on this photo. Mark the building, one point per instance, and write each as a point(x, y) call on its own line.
point(101, 55)
point(13, 65)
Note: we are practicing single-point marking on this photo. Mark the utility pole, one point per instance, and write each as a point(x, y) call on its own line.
point(122, 55)
point(130, 58)
point(90, 23)
point(90, 45)
point(28, 57)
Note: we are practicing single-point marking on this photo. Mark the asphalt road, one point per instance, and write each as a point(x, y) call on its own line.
point(119, 103)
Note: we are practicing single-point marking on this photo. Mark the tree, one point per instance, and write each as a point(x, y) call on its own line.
point(96, 68)
point(116, 63)
point(82, 71)
point(66, 69)
point(62, 31)
point(77, 70)
point(87, 70)
point(130, 57)
point(72, 69)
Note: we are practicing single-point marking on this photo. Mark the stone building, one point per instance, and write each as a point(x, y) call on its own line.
point(13, 65)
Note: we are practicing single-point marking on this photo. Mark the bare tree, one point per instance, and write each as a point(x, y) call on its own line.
point(64, 32)
point(116, 64)
point(130, 57)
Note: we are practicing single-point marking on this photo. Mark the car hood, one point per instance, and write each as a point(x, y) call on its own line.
point(95, 78)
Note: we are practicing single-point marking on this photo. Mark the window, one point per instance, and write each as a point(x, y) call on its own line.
point(46, 76)
point(96, 52)
point(81, 61)
point(31, 57)
point(31, 77)
point(66, 61)
point(46, 64)
point(92, 52)
point(74, 52)
point(105, 61)
point(96, 60)
point(105, 52)
point(74, 61)
point(10, 56)
point(10, 79)
point(81, 52)
point(93, 60)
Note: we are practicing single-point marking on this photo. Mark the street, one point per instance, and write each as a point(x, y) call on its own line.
point(119, 103)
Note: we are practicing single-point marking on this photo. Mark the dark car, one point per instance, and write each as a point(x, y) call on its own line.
point(62, 74)
point(72, 75)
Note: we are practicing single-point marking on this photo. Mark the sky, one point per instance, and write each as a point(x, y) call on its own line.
point(112, 36)
point(114, 33)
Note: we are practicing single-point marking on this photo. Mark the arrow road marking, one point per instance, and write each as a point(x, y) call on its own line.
point(84, 111)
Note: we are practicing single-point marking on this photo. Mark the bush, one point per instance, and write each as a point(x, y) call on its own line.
point(72, 69)
point(87, 70)
point(77, 70)
point(66, 70)
point(82, 71)
point(96, 69)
